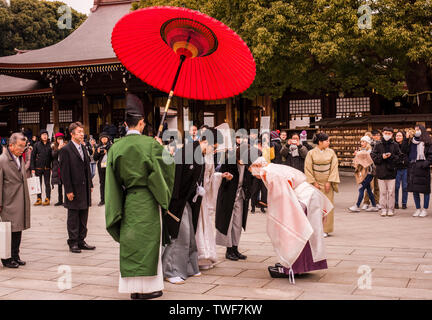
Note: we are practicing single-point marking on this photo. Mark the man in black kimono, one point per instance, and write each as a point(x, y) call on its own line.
point(180, 258)
point(232, 201)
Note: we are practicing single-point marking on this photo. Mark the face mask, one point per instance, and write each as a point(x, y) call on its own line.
point(418, 134)
point(294, 141)
point(387, 137)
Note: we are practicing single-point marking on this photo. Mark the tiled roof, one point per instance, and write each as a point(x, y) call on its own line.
point(90, 44)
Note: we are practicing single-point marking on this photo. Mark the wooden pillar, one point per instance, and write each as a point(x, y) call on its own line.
point(229, 113)
point(268, 110)
point(13, 118)
point(85, 113)
point(55, 110)
point(180, 122)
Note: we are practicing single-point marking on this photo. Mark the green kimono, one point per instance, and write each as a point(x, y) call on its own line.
point(138, 181)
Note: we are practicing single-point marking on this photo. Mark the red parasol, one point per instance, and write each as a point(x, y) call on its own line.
point(183, 52)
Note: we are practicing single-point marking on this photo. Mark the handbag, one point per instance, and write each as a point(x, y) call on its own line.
point(104, 161)
point(272, 153)
point(5, 239)
point(34, 186)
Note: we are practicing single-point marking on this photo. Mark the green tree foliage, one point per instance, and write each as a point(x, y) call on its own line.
point(317, 45)
point(32, 24)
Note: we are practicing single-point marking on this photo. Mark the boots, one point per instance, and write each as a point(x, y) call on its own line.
point(38, 202)
point(230, 254)
point(238, 254)
point(46, 202)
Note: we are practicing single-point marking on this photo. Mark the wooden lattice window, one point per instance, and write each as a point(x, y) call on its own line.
point(65, 116)
point(28, 117)
point(305, 107)
point(348, 107)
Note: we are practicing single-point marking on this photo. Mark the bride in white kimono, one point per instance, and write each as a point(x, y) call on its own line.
point(296, 211)
point(205, 233)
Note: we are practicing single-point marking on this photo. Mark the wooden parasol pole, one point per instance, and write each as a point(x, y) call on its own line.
point(170, 96)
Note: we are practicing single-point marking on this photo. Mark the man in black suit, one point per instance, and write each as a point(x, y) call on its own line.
point(76, 178)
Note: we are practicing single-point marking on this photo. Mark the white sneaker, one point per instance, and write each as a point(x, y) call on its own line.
point(354, 208)
point(199, 274)
point(372, 209)
point(379, 206)
point(325, 235)
point(390, 213)
point(423, 213)
point(175, 280)
point(417, 213)
point(383, 212)
point(365, 207)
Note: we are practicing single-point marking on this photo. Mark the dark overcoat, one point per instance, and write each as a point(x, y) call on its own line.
point(227, 194)
point(187, 176)
point(76, 177)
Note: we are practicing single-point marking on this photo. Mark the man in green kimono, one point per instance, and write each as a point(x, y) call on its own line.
point(138, 184)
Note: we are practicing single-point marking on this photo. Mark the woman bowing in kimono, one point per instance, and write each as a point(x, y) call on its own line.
point(321, 169)
point(295, 219)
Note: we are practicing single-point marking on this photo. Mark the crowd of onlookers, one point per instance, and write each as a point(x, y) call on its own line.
point(41, 157)
point(387, 162)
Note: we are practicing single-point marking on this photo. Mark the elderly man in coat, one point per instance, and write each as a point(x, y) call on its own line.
point(14, 195)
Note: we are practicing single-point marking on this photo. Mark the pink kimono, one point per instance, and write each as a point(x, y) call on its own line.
point(294, 224)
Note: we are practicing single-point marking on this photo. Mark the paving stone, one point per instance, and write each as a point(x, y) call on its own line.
point(204, 278)
point(220, 271)
point(28, 274)
point(387, 273)
point(33, 284)
point(327, 296)
point(349, 278)
point(43, 295)
point(188, 287)
point(420, 283)
point(257, 274)
point(5, 291)
point(167, 295)
point(242, 282)
point(400, 262)
point(361, 258)
point(410, 293)
point(407, 260)
point(98, 291)
point(77, 261)
point(243, 265)
point(257, 293)
point(391, 266)
point(89, 270)
point(284, 284)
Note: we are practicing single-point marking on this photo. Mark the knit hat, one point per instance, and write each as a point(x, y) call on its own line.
point(303, 135)
point(274, 135)
point(367, 139)
point(58, 134)
point(104, 134)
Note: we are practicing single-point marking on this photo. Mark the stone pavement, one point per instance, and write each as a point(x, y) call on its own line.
point(397, 250)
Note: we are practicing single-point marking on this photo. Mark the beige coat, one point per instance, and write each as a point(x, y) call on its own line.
point(14, 194)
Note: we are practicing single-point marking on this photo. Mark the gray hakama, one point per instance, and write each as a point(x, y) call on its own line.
point(180, 258)
point(232, 238)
